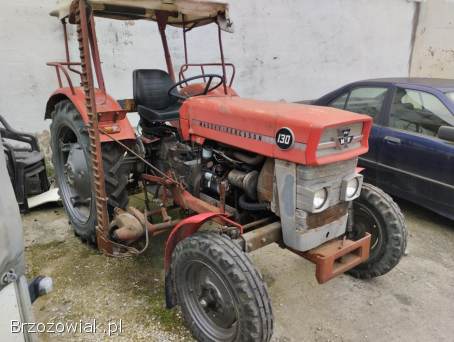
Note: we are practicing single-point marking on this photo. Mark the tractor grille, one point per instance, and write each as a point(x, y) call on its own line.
point(330, 143)
point(326, 176)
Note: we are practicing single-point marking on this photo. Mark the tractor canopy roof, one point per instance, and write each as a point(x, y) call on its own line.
point(190, 12)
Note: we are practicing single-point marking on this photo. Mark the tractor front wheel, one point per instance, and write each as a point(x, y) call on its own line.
point(72, 164)
point(376, 213)
point(221, 294)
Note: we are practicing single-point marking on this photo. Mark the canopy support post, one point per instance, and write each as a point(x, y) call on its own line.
point(185, 30)
point(95, 54)
point(224, 74)
point(65, 33)
point(161, 18)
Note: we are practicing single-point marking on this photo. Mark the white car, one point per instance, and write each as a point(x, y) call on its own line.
point(16, 295)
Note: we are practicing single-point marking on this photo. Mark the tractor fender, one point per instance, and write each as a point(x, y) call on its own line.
point(104, 103)
point(182, 230)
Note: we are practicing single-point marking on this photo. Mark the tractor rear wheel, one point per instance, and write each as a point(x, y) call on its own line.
point(221, 294)
point(375, 212)
point(71, 159)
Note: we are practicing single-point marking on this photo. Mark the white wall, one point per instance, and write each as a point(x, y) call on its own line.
point(283, 49)
point(433, 54)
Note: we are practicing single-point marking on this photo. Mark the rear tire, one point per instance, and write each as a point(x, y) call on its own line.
point(375, 212)
point(71, 159)
point(221, 294)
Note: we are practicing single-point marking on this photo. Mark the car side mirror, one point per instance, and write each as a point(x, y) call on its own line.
point(446, 133)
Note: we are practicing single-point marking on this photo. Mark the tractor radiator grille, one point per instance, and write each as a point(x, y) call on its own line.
point(326, 176)
point(333, 140)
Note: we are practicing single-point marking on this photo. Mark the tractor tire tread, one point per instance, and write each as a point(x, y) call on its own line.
point(116, 175)
point(395, 226)
point(244, 278)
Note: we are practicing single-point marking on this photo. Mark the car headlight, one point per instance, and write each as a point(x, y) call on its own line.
point(352, 188)
point(320, 198)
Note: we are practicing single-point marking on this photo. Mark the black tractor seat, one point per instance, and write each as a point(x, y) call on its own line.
point(154, 104)
point(168, 114)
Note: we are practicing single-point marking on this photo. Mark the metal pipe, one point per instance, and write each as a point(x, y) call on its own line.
point(254, 224)
point(161, 17)
point(68, 58)
point(156, 228)
point(60, 84)
point(262, 236)
point(96, 56)
point(65, 33)
point(224, 74)
point(184, 41)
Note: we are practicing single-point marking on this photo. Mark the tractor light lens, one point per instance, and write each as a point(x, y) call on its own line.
point(320, 198)
point(352, 188)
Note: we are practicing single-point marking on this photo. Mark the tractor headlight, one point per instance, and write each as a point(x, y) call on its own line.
point(320, 198)
point(351, 187)
point(315, 199)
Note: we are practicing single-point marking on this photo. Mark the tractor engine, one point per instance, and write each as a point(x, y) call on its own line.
point(216, 172)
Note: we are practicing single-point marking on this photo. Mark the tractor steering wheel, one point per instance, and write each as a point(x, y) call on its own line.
point(174, 92)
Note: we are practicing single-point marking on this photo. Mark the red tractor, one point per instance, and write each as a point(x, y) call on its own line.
point(243, 173)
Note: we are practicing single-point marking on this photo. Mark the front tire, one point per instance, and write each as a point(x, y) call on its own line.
point(221, 294)
point(375, 212)
point(72, 164)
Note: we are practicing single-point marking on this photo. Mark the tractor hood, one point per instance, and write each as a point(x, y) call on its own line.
point(298, 133)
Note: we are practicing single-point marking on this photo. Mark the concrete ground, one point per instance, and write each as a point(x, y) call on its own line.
point(414, 302)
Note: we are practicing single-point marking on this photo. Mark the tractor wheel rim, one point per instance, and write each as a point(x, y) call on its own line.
point(74, 177)
point(211, 301)
point(366, 221)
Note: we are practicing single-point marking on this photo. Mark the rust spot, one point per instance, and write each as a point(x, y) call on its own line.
point(327, 216)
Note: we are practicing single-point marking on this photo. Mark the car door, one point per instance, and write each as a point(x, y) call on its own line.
point(413, 162)
point(371, 100)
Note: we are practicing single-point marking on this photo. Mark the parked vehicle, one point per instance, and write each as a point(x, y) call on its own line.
point(25, 164)
point(411, 146)
point(259, 172)
point(16, 295)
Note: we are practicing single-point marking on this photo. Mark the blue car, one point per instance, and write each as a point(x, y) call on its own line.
point(411, 153)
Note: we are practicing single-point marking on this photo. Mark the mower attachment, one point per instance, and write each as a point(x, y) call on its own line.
point(338, 256)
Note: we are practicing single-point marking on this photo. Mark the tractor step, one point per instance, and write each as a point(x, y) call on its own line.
point(338, 256)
